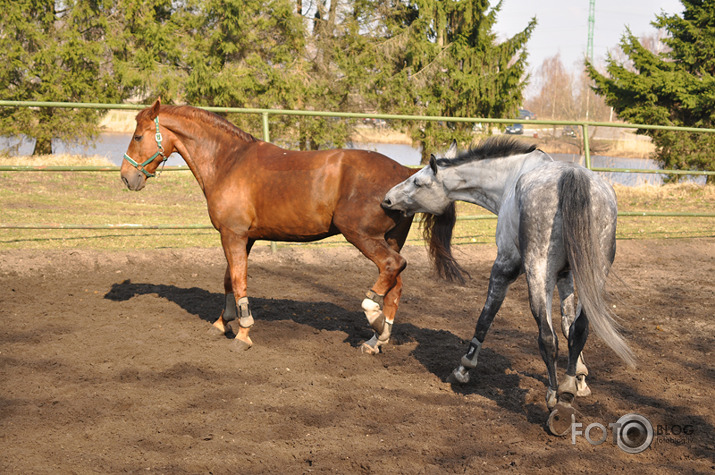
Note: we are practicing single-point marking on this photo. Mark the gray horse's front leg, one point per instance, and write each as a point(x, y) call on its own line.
point(504, 272)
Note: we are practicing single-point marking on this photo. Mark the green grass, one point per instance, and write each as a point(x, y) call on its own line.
point(174, 198)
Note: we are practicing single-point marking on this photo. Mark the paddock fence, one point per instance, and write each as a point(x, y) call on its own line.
point(265, 115)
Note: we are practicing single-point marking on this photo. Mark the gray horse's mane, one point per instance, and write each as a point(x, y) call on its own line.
point(493, 147)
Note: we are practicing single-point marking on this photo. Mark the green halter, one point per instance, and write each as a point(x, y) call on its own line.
point(140, 166)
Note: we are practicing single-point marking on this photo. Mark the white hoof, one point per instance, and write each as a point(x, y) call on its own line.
point(582, 389)
point(551, 398)
point(461, 375)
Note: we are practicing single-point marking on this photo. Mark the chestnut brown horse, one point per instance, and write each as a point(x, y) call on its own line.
point(256, 190)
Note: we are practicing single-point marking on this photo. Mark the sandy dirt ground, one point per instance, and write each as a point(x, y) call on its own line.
point(106, 366)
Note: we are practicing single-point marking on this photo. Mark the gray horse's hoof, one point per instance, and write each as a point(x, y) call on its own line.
point(583, 389)
point(460, 375)
point(240, 346)
point(561, 419)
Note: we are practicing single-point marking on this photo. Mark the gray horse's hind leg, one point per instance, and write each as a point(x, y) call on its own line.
point(504, 271)
point(541, 291)
point(559, 397)
point(569, 310)
point(563, 414)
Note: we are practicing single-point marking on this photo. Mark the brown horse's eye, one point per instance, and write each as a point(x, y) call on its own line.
point(137, 138)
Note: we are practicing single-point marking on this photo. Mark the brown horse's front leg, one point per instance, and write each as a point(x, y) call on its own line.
point(236, 249)
point(221, 326)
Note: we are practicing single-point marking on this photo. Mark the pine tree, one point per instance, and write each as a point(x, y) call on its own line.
point(675, 88)
point(245, 53)
point(54, 51)
point(149, 40)
point(443, 59)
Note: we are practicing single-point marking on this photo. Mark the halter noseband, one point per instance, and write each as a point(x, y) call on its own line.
point(140, 166)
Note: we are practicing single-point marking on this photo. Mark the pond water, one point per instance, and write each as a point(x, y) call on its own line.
point(113, 145)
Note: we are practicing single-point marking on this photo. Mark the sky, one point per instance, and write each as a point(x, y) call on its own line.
point(563, 25)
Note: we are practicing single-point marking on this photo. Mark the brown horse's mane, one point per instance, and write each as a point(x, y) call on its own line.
point(205, 117)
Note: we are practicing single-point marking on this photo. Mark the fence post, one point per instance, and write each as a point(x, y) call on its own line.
point(267, 138)
point(266, 132)
point(586, 147)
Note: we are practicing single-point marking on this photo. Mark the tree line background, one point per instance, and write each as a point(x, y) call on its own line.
point(425, 57)
point(415, 57)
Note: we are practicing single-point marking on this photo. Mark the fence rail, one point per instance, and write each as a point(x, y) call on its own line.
point(265, 113)
point(476, 217)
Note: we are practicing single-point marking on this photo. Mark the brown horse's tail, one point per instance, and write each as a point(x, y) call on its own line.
point(437, 230)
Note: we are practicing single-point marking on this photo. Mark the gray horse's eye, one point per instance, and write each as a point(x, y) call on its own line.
point(421, 180)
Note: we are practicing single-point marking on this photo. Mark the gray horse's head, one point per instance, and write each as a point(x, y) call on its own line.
point(423, 192)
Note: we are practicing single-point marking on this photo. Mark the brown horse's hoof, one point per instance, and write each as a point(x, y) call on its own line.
point(215, 332)
point(561, 419)
point(240, 346)
point(370, 350)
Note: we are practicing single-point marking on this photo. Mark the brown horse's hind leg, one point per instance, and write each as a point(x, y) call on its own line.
point(222, 326)
point(381, 302)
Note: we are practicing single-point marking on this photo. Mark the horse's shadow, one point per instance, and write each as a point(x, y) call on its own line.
point(436, 350)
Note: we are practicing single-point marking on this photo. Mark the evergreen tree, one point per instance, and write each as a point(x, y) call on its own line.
point(54, 51)
point(442, 58)
point(675, 88)
point(246, 53)
point(149, 41)
point(395, 56)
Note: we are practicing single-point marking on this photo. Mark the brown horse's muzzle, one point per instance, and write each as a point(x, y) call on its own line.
point(134, 180)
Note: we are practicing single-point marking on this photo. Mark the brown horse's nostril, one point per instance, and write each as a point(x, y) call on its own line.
point(126, 182)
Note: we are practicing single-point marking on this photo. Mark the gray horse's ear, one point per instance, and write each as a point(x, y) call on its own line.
point(433, 163)
point(452, 152)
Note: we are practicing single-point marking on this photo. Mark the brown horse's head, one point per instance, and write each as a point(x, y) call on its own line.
point(147, 150)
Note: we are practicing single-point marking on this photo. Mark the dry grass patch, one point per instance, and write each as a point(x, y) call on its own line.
point(119, 121)
point(99, 198)
point(55, 160)
point(681, 197)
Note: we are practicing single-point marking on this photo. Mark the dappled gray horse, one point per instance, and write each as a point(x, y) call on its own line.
point(556, 223)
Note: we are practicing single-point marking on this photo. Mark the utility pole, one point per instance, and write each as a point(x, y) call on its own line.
point(589, 45)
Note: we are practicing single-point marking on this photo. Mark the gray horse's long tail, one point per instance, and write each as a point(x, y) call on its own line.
point(588, 263)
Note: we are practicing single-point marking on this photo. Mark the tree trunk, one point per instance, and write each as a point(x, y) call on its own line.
point(425, 154)
point(43, 146)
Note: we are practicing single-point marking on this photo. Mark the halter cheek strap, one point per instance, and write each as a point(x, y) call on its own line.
point(159, 152)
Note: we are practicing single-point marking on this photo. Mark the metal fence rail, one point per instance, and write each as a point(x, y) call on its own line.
point(265, 113)
point(476, 217)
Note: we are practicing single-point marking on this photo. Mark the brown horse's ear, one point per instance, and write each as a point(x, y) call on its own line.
point(433, 163)
point(155, 108)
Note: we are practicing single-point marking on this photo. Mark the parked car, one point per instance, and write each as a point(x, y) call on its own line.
point(514, 129)
point(569, 131)
point(526, 115)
